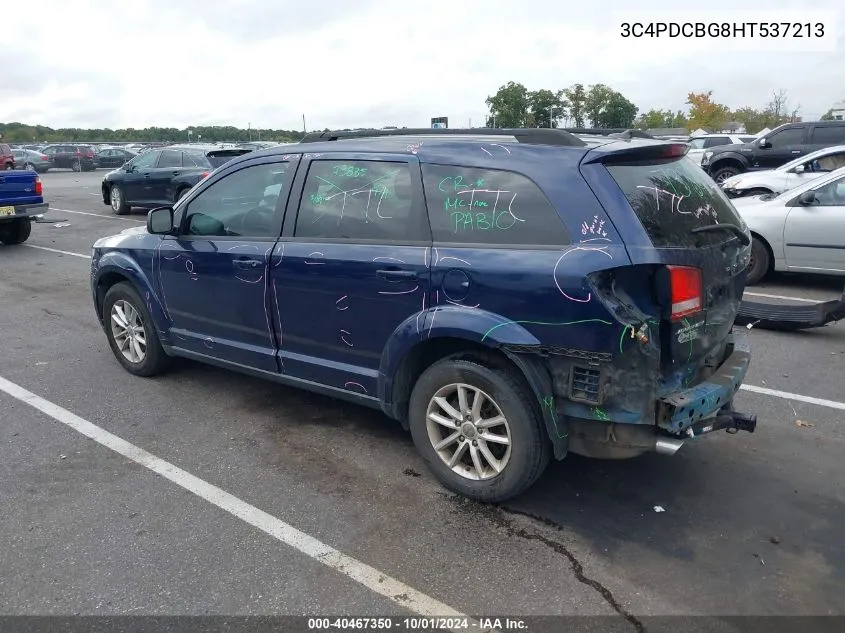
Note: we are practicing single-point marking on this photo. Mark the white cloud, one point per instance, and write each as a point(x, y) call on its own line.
point(372, 62)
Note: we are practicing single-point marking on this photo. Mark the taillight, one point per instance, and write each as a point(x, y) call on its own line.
point(39, 188)
point(45, 158)
point(204, 174)
point(686, 290)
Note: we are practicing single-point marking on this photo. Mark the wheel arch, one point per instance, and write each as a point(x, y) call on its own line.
point(115, 268)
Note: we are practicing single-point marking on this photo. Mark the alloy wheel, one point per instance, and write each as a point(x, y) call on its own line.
point(127, 328)
point(468, 431)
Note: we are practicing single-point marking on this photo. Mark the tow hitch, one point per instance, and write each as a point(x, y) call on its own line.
point(730, 421)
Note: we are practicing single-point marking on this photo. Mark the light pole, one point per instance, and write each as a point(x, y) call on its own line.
point(189, 135)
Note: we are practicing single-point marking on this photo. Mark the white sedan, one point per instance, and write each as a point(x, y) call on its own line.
point(788, 176)
point(800, 230)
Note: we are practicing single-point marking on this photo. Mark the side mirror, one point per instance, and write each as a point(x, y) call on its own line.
point(807, 198)
point(128, 168)
point(799, 169)
point(160, 221)
point(764, 143)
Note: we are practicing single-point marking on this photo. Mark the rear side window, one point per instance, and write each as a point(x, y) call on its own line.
point(672, 197)
point(715, 141)
point(829, 135)
point(489, 206)
point(361, 200)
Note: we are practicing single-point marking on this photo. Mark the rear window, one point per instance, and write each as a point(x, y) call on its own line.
point(672, 197)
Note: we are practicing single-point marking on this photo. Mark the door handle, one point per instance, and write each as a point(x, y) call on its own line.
point(247, 263)
point(796, 151)
point(395, 273)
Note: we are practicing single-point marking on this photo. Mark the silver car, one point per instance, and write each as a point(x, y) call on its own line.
point(788, 176)
point(800, 230)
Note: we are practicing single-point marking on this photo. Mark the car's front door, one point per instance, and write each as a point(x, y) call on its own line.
point(135, 177)
point(782, 147)
point(814, 234)
point(353, 267)
point(213, 275)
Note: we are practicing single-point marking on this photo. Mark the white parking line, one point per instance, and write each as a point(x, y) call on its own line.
point(370, 577)
point(833, 404)
point(98, 215)
point(56, 250)
point(760, 294)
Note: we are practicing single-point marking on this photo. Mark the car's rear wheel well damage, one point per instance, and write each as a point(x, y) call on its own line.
point(429, 352)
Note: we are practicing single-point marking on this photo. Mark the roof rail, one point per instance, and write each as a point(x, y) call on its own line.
point(619, 132)
point(534, 136)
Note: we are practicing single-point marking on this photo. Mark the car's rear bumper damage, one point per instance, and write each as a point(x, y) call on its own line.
point(679, 416)
point(25, 211)
point(772, 316)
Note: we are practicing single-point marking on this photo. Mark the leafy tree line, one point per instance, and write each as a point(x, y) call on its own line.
point(514, 105)
point(21, 133)
point(599, 105)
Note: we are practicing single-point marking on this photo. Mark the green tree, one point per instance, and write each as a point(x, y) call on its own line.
point(596, 101)
point(617, 112)
point(828, 116)
point(509, 106)
point(706, 114)
point(576, 98)
point(546, 107)
point(655, 119)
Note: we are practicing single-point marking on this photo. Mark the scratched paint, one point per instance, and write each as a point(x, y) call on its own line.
point(548, 403)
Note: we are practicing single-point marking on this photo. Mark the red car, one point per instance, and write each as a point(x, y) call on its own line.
point(7, 159)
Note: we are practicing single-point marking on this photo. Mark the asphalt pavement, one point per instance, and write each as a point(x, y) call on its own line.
point(749, 524)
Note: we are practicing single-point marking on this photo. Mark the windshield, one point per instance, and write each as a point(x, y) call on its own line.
point(671, 197)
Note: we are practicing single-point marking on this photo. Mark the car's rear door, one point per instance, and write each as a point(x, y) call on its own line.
point(352, 267)
point(159, 179)
point(660, 203)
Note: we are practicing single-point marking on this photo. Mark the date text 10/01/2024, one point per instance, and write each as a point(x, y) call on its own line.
point(473, 207)
point(418, 623)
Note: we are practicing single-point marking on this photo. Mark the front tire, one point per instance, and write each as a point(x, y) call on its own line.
point(30, 167)
point(15, 232)
point(722, 174)
point(760, 262)
point(478, 430)
point(117, 201)
point(131, 332)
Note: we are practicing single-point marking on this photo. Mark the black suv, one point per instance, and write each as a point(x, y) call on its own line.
point(160, 176)
point(69, 156)
point(778, 147)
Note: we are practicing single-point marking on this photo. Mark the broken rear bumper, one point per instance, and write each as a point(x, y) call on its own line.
point(707, 407)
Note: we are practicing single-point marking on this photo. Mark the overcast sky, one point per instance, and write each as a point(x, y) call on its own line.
point(358, 63)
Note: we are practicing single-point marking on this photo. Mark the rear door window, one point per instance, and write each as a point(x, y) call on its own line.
point(492, 207)
point(671, 197)
point(828, 134)
point(361, 200)
point(715, 141)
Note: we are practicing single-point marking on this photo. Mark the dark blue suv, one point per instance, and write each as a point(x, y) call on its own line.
point(506, 295)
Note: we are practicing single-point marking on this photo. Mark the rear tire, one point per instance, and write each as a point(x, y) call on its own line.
point(518, 463)
point(30, 167)
point(722, 174)
point(117, 201)
point(131, 332)
point(760, 263)
point(76, 166)
point(182, 193)
point(9, 166)
point(15, 232)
